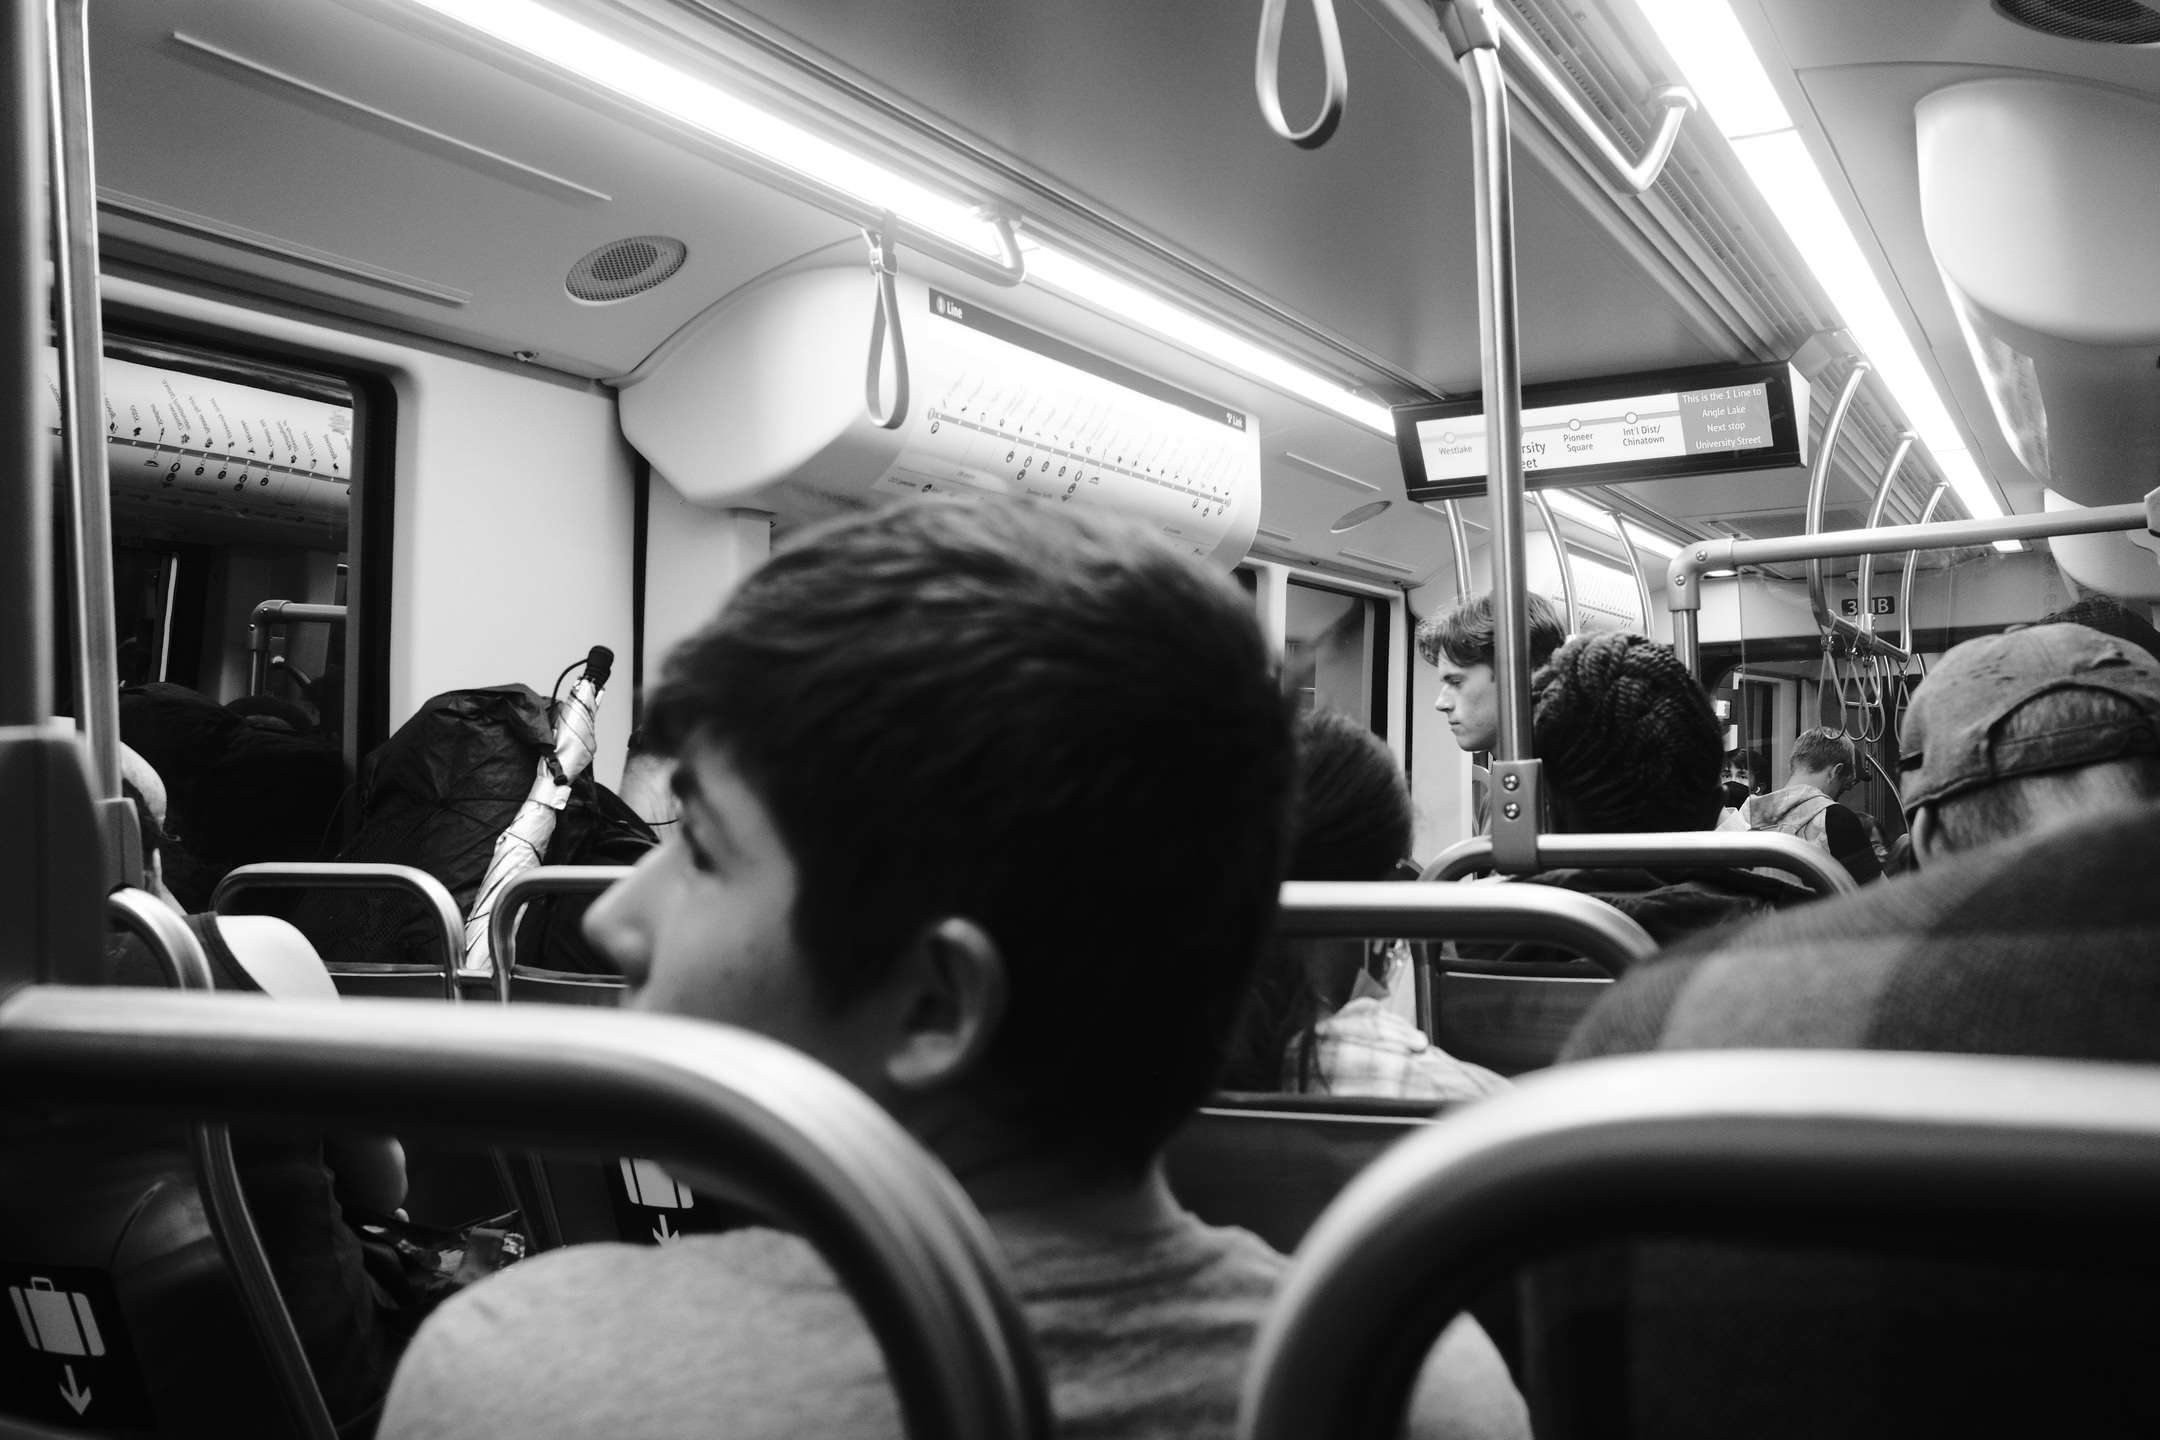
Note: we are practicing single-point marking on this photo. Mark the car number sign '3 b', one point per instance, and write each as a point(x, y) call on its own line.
point(67, 1358)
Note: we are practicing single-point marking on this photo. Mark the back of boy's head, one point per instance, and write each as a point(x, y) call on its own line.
point(1627, 736)
point(1353, 810)
point(1463, 635)
point(1045, 722)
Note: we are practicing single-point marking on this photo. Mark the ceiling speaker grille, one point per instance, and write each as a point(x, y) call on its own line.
point(2109, 22)
point(623, 268)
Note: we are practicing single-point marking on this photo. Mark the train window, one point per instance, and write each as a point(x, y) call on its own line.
point(237, 481)
point(1335, 652)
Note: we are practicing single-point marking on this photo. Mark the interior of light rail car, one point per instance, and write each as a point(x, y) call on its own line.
point(1262, 719)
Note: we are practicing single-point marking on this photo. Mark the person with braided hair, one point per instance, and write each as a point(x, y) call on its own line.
point(1630, 744)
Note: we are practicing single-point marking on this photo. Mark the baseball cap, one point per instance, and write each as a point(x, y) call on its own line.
point(1949, 744)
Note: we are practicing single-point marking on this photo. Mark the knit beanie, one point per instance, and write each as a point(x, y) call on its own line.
point(1627, 736)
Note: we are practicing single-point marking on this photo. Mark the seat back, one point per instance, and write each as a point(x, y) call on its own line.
point(444, 926)
point(1741, 849)
point(525, 982)
point(140, 1292)
point(719, 1106)
point(2020, 1163)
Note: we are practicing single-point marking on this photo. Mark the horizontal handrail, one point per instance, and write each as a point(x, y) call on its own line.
point(1684, 592)
point(723, 1106)
point(1921, 1149)
point(1742, 848)
point(334, 875)
point(530, 885)
point(1539, 913)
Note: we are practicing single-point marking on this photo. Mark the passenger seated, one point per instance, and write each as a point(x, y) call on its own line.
point(2032, 929)
point(984, 806)
point(1318, 1021)
point(2018, 733)
point(1825, 764)
point(297, 1190)
point(1459, 642)
point(1630, 744)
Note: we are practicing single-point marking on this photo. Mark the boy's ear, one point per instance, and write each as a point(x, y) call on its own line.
point(955, 992)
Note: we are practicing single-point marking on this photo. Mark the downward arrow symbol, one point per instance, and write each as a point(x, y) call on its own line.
point(663, 1234)
point(76, 1395)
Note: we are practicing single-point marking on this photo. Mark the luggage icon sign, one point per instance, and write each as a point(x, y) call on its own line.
point(57, 1322)
point(75, 1366)
point(653, 1188)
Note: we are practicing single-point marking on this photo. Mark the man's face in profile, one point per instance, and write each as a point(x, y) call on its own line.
point(1470, 702)
point(704, 927)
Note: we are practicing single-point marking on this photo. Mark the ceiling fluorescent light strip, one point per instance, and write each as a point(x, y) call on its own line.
point(1065, 272)
point(1717, 61)
point(599, 59)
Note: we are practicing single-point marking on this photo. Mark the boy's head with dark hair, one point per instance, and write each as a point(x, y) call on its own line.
point(984, 805)
point(1629, 739)
point(1460, 642)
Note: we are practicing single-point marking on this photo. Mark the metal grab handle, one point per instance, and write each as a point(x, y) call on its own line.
point(281, 612)
point(530, 885)
point(884, 243)
point(1747, 848)
point(716, 1105)
point(1541, 913)
point(1683, 588)
point(1459, 540)
point(1864, 610)
point(217, 1173)
point(1559, 551)
point(1833, 626)
point(1549, 89)
point(1715, 1146)
point(1912, 564)
point(1267, 74)
point(330, 875)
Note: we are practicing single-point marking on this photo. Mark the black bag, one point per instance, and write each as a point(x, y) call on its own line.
point(436, 795)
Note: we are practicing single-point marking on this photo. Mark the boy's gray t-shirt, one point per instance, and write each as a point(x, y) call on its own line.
point(748, 1335)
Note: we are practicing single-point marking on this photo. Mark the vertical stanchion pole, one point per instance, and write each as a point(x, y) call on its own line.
point(25, 481)
point(1685, 646)
point(1473, 36)
point(80, 330)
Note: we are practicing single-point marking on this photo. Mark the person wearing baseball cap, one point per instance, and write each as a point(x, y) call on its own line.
point(2022, 732)
point(2032, 928)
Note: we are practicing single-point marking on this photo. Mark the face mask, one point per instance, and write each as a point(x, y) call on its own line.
point(1736, 793)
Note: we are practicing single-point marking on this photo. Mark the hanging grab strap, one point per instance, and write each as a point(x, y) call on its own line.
point(885, 271)
point(1267, 75)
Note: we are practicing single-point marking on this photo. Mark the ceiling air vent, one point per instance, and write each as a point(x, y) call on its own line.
point(623, 268)
point(2109, 22)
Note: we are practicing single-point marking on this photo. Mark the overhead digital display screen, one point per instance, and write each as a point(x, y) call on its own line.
point(1633, 427)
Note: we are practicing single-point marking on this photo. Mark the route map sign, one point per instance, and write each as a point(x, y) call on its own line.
point(1611, 431)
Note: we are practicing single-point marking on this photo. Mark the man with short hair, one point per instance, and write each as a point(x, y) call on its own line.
point(1459, 642)
point(1825, 764)
point(985, 806)
point(2028, 731)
